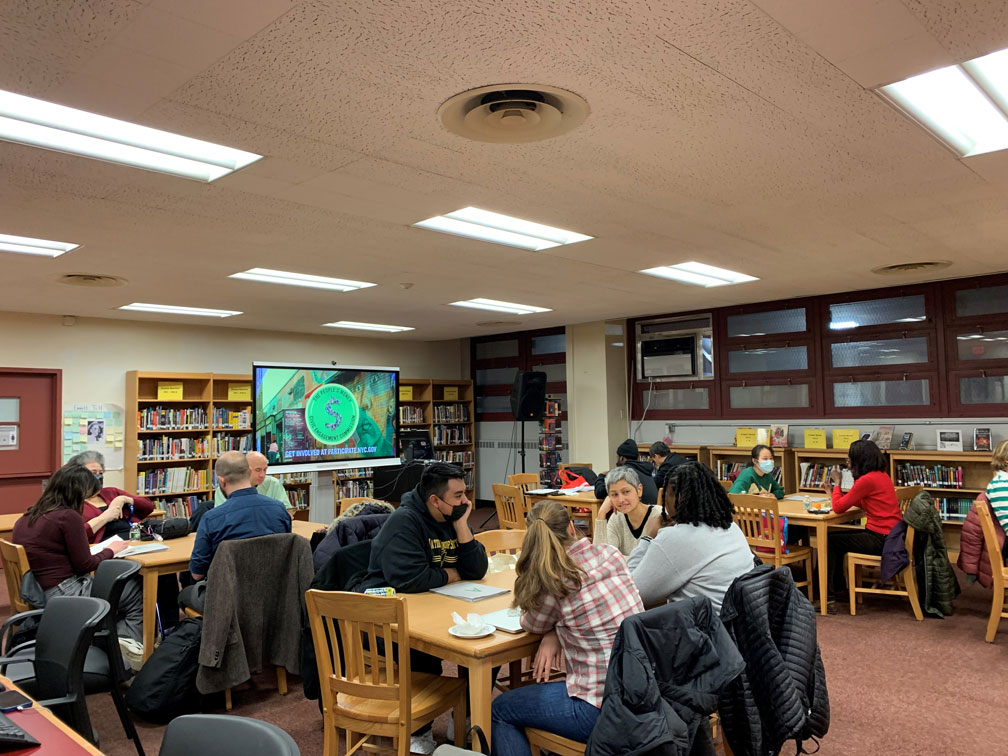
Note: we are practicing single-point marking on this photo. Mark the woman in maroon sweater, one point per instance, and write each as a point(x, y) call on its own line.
point(55, 541)
point(873, 492)
point(110, 510)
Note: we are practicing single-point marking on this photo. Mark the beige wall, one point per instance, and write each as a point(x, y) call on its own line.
point(95, 354)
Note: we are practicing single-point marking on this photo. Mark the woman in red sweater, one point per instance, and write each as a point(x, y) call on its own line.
point(52, 533)
point(873, 492)
point(110, 510)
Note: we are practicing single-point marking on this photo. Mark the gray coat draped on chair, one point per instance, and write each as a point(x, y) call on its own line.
point(254, 604)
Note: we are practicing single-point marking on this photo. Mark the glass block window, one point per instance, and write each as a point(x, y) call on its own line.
point(992, 345)
point(677, 399)
point(992, 389)
point(894, 393)
point(552, 344)
point(875, 312)
point(488, 350)
point(768, 359)
point(766, 323)
point(879, 352)
point(554, 373)
point(488, 404)
point(992, 300)
point(496, 376)
point(768, 397)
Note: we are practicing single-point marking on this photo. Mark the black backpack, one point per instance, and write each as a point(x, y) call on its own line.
point(165, 686)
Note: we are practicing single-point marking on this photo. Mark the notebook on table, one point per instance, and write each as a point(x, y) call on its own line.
point(508, 620)
point(468, 591)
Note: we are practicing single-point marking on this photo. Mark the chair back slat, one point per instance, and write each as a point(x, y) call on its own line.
point(510, 504)
point(498, 541)
point(906, 494)
point(759, 519)
point(524, 481)
point(15, 565)
point(991, 542)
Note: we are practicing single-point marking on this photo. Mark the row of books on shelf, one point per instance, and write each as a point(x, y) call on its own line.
point(222, 444)
point(452, 434)
point(411, 415)
point(953, 507)
point(469, 479)
point(171, 479)
point(549, 425)
point(180, 507)
point(465, 458)
point(550, 442)
point(167, 418)
point(730, 470)
point(933, 476)
point(296, 477)
point(816, 475)
point(451, 413)
point(549, 459)
point(552, 408)
point(172, 447)
point(228, 418)
point(298, 498)
point(355, 488)
point(354, 472)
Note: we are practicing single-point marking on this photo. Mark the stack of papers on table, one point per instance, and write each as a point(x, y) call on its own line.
point(468, 591)
point(138, 548)
point(561, 491)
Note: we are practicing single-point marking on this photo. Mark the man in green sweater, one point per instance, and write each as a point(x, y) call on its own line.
point(263, 484)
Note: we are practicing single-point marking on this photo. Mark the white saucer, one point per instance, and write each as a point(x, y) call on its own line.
point(485, 631)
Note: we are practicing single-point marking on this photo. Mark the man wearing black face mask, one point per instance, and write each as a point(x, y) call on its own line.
point(427, 543)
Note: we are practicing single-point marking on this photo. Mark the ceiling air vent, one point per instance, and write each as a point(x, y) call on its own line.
point(900, 269)
point(513, 113)
point(91, 279)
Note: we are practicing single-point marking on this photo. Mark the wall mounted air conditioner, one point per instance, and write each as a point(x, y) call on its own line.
point(677, 348)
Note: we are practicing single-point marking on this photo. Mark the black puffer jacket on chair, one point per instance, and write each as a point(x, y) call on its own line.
point(782, 693)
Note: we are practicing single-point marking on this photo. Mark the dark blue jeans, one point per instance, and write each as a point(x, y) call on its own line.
point(545, 706)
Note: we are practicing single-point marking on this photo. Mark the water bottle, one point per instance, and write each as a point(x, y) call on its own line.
point(135, 533)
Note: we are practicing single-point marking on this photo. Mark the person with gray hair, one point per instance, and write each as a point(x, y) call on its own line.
point(630, 515)
point(263, 483)
point(245, 514)
point(110, 511)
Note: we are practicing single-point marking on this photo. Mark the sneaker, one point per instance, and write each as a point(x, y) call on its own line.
point(422, 743)
point(132, 652)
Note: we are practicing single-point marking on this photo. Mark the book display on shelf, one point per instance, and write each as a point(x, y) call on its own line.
point(982, 439)
point(954, 479)
point(550, 443)
point(779, 436)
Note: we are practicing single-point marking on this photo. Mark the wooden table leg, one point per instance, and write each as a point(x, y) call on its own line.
point(150, 585)
point(480, 691)
point(823, 557)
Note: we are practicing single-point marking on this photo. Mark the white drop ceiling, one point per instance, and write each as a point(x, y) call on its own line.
point(738, 133)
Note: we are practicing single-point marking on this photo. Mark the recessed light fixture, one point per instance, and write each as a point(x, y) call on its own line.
point(203, 312)
point(266, 275)
point(699, 274)
point(367, 326)
point(56, 127)
point(497, 306)
point(24, 245)
point(502, 229)
point(965, 106)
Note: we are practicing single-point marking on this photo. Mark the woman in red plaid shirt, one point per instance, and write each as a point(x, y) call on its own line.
point(575, 594)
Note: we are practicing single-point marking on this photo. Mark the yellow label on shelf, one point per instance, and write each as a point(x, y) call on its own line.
point(844, 437)
point(240, 391)
point(405, 393)
point(815, 438)
point(745, 437)
point(451, 393)
point(169, 390)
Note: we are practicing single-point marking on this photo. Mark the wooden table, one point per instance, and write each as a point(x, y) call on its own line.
point(56, 737)
point(791, 507)
point(7, 524)
point(429, 620)
point(176, 559)
point(582, 499)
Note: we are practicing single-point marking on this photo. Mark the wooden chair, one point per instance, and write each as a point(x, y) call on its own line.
point(998, 570)
point(565, 465)
point(726, 484)
point(348, 502)
point(510, 506)
point(753, 514)
point(15, 565)
point(501, 541)
point(524, 481)
point(368, 694)
point(543, 742)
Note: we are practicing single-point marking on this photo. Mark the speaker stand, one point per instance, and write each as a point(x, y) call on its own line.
point(521, 449)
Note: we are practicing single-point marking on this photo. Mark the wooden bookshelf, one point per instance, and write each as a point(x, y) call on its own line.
point(828, 457)
point(453, 430)
point(233, 434)
point(954, 480)
point(723, 457)
point(700, 454)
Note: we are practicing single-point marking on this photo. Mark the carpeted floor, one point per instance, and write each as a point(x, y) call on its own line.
point(897, 686)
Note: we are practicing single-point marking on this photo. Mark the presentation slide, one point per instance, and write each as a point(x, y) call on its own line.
point(315, 416)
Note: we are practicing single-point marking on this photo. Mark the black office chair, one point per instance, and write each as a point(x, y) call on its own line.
point(66, 629)
point(225, 735)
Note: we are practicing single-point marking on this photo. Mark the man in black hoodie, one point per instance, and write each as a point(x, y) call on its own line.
point(626, 454)
point(427, 543)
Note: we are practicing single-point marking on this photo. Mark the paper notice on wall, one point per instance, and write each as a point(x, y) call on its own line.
point(94, 427)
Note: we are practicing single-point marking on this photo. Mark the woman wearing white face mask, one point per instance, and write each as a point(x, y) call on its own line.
point(759, 474)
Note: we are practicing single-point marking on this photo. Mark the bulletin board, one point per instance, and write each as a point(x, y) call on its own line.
point(94, 427)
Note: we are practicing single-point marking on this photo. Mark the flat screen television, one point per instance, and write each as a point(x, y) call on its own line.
point(324, 417)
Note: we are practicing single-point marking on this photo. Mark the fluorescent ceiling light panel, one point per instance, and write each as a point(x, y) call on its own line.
point(502, 229)
point(203, 312)
point(497, 306)
point(24, 245)
point(367, 326)
point(266, 275)
point(699, 274)
point(56, 127)
point(959, 104)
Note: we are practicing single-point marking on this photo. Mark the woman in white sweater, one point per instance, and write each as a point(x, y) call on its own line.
point(630, 515)
point(701, 553)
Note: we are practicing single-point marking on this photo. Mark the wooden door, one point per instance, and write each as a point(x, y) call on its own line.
point(30, 405)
